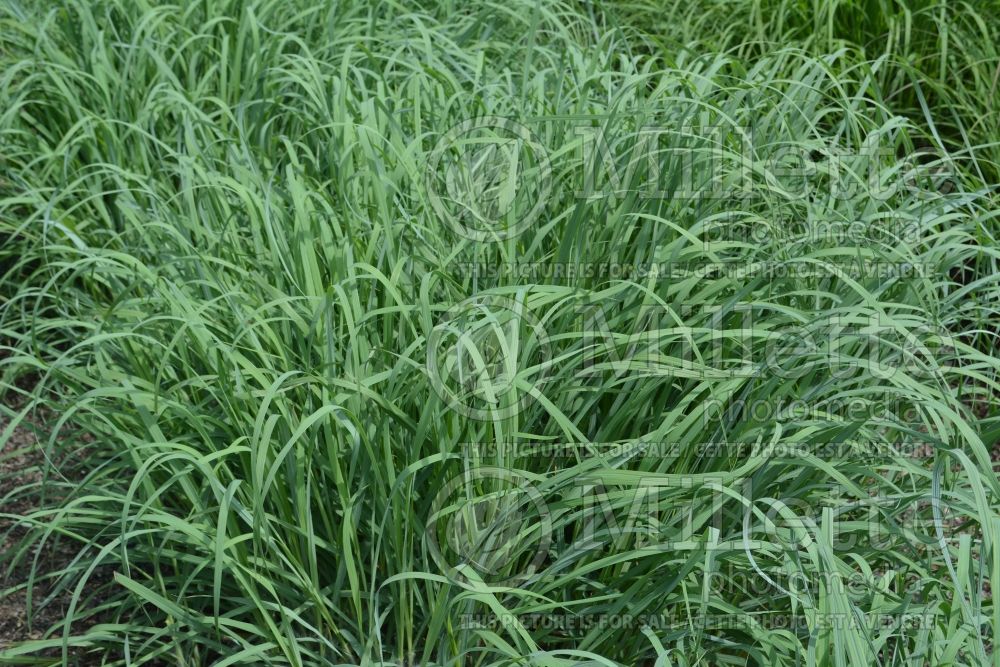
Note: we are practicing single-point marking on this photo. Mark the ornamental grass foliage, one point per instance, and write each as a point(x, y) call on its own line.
point(525, 333)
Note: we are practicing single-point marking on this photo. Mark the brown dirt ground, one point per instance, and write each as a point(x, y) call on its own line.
point(20, 463)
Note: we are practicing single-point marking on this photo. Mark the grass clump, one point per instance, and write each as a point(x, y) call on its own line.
point(490, 334)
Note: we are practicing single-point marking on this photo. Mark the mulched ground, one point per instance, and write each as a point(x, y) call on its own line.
point(14, 470)
point(21, 461)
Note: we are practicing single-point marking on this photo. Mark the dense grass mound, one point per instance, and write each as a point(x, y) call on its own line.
point(934, 61)
point(492, 334)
